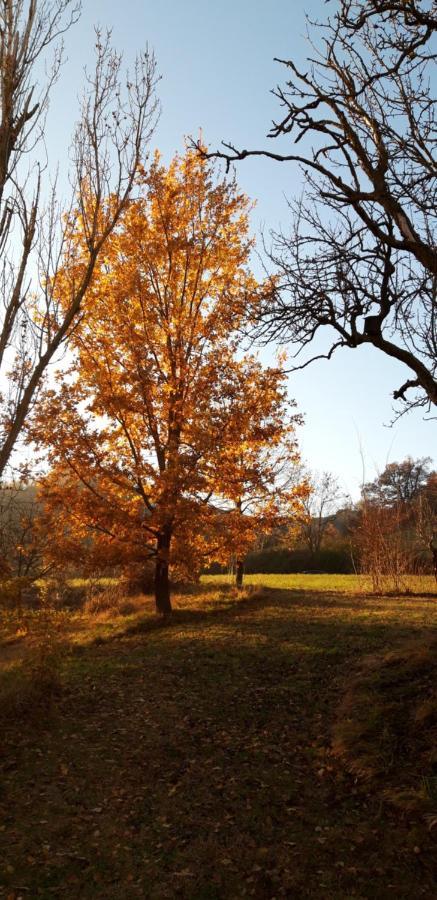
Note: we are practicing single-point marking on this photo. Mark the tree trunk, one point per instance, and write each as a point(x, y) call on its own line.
point(162, 582)
point(434, 557)
point(239, 572)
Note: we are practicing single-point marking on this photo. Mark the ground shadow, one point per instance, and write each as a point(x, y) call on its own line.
point(197, 762)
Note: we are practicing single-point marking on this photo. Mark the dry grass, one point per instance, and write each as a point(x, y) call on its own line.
point(387, 723)
point(107, 599)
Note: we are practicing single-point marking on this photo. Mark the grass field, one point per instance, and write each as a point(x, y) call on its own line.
point(277, 743)
point(344, 584)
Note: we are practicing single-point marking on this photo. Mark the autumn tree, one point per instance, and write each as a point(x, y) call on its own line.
point(135, 426)
point(257, 460)
point(359, 263)
point(37, 227)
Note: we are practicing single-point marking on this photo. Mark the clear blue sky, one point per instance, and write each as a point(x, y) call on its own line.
point(216, 62)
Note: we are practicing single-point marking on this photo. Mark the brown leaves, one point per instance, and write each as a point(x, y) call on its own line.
point(193, 755)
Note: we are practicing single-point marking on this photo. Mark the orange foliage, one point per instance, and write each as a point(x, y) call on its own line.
point(256, 462)
point(157, 416)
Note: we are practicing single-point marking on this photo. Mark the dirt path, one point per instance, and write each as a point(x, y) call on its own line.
point(193, 761)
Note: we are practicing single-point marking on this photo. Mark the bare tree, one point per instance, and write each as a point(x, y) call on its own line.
point(426, 517)
point(22, 545)
point(118, 115)
point(318, 507)
point(360, 259)
point(384, 546)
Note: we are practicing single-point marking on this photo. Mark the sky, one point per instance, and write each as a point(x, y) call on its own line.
point(216, 62)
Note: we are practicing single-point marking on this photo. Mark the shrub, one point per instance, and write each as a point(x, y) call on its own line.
point(47, 650)
point(103, 597)
point(384, 547)
point(35, 683)
point(18, 592)
point(110, 596)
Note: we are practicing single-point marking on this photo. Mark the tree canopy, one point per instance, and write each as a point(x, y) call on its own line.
point(145, 430)
point(400, 482)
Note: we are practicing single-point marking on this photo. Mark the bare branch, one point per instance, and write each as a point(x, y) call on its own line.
point(361, 255)
point(118, 116)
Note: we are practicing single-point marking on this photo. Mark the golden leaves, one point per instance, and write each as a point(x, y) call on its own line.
point(161, 416)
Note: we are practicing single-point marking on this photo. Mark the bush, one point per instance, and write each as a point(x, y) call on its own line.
point(103, 597)
point(38, 680)
point(139, 582)
point(18, 592)
point(384, 546)
point(47, 650)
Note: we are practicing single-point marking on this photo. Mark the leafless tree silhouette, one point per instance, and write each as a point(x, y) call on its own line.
point(360, 258)
point(117, 118)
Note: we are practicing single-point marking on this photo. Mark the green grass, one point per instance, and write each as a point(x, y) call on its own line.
point(196, 759)
point(344, 584)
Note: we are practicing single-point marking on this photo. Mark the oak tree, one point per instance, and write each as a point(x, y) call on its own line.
point(135, 425)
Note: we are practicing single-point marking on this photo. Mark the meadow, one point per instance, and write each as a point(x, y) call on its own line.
point(277, 742)
point(344, 584)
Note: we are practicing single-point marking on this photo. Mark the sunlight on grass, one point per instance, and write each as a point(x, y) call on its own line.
point(344, 584)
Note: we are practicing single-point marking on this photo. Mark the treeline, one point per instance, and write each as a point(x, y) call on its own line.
point(282, 561)
point(390, 532)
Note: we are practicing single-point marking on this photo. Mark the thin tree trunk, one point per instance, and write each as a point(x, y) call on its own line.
point(239, 573)
point(162, 582)
point(434, 558)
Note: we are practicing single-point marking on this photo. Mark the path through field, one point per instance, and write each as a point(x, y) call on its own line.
point(193, 761)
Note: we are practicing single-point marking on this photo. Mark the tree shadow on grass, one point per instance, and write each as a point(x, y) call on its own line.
point(281, 598)
point(207, 744)
point(278, 612)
